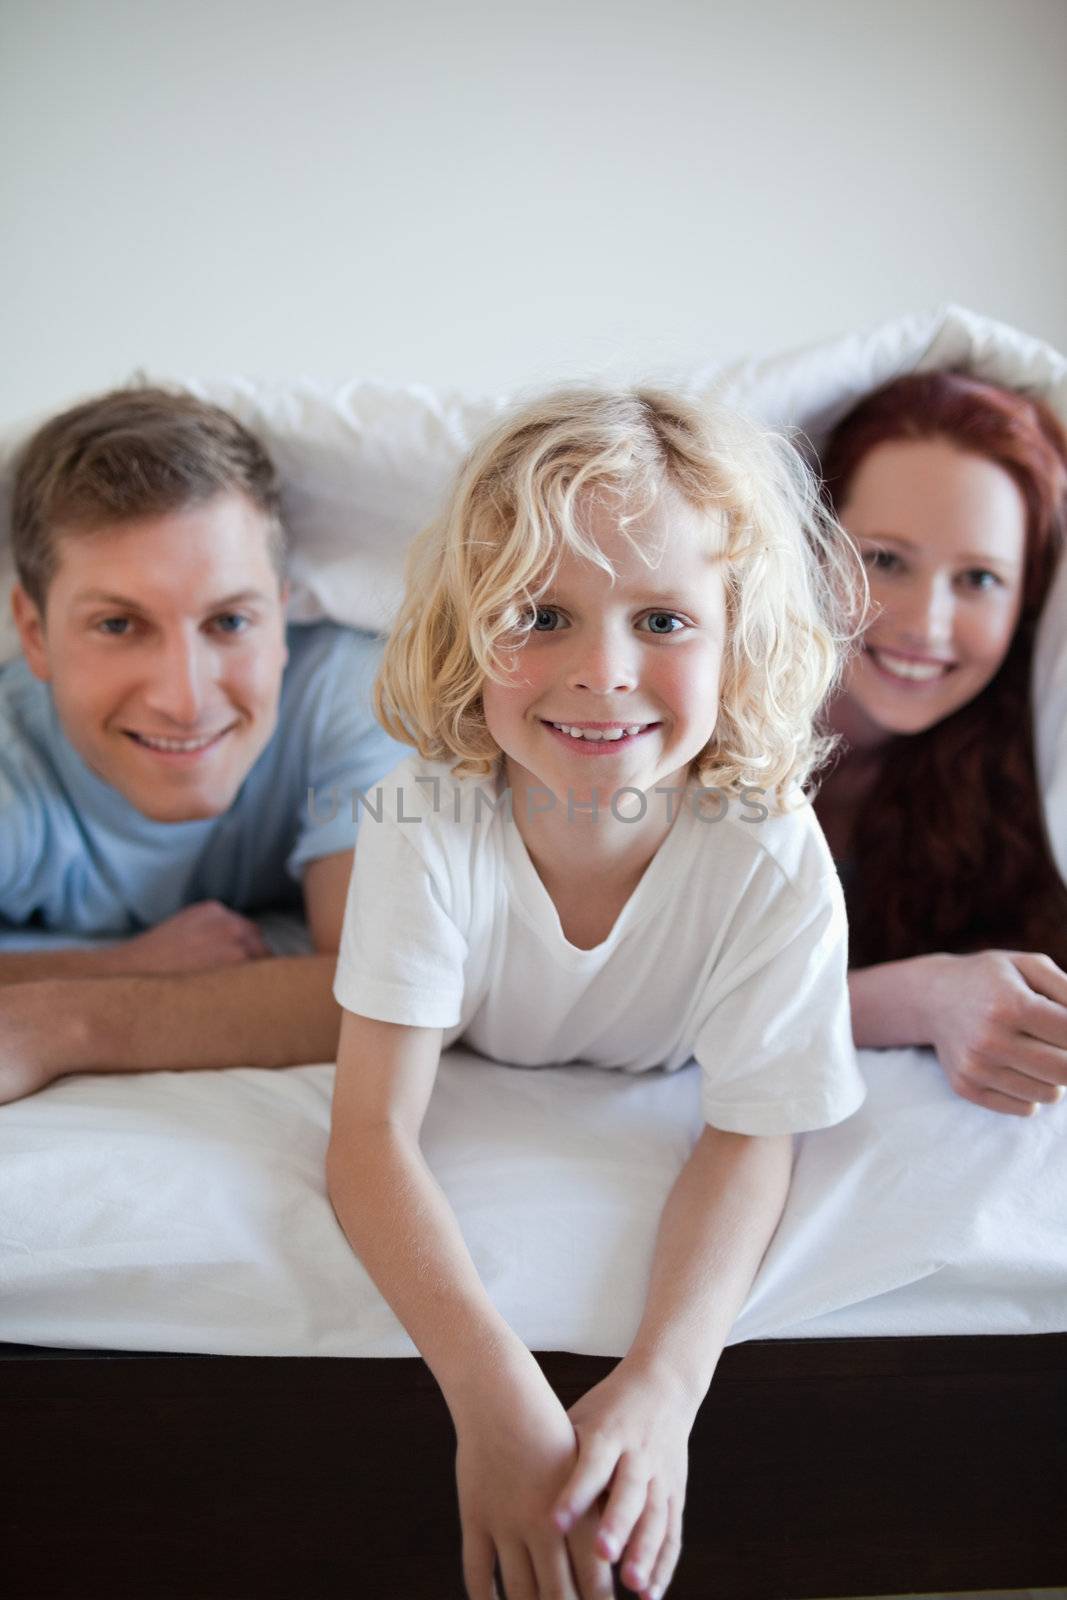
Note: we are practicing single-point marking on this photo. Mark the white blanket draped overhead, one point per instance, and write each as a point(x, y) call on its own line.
point(364, 466)
point(187, 1211)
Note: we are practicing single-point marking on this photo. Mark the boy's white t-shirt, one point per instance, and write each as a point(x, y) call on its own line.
point(732, 949)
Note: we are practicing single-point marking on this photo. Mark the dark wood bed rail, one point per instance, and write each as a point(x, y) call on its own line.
point(818, 1468)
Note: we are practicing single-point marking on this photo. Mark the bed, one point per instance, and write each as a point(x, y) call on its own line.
point(205, 1397)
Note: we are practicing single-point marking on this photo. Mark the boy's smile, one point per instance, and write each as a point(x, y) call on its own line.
point(600, 738)
point(163, 640)
point(616, 686)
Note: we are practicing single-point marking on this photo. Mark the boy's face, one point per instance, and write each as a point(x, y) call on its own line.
point(637, 662)
point(164, 642)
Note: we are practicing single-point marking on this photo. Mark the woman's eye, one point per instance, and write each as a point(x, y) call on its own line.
point(663, 622)
point(545, 619)
point(231, 622)
point(881, 560)
point(981, 578)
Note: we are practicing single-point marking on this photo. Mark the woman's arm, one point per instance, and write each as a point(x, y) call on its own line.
point(891, 1003)
point(997, 1020)
point(633, 1428)
point(515, 1443)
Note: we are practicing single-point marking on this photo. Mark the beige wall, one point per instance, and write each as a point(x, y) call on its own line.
point(485, 195)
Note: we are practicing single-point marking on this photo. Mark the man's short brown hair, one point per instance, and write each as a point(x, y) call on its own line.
point(131, 453)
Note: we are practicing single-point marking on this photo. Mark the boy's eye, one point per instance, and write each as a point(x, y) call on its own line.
point(545, 619)
point(231, 622)
point(115, 627)
point(663, 622)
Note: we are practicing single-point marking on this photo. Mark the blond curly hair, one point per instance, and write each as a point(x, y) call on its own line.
point(795, 587)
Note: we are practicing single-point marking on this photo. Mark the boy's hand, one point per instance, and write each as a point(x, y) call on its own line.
point(515, 1449)
point(633, 1449)
point(199, 937)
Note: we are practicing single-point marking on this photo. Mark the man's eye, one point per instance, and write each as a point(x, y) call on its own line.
point(544, 620)
point(663, 622)
point(231, 622)
point(115, 627)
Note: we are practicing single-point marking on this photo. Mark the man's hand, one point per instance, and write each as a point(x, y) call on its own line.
point(196, 939)
point(201, 938)
point(32, 1026)
point(633, 1449)
point(998, 1022)
point(514, 1452)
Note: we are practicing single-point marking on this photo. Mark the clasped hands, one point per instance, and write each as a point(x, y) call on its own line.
point(555, 1499)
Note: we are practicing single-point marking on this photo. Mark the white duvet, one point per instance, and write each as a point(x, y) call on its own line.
point(187, 1211)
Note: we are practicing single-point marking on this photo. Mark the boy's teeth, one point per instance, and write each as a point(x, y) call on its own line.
point(921, 671)
point(598, 733)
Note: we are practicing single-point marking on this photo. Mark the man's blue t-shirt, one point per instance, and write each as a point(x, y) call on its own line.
point(75, 855)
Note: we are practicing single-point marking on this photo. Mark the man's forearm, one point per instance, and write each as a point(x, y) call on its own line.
point(30, 966)
point(716, 1225)
point(277, 1012)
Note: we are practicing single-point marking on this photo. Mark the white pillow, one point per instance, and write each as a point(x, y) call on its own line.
point(362, 469)
point(813, 389)
point(365, 466)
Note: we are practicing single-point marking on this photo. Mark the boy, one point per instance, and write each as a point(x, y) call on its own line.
point(159, 739)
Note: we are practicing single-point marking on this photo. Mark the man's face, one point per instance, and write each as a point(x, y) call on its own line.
point(164, 642)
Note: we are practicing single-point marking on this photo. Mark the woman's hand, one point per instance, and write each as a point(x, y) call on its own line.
point(516, 1448)
point(998, 1022)
point(633, 1457)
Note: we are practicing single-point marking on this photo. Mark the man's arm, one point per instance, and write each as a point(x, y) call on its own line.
point(29, 966)
point(275, 1013)
point(271, 1013)
point(325, 893)
point(201, 936)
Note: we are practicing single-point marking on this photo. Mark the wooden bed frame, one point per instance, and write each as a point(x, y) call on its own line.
point(818, 1468)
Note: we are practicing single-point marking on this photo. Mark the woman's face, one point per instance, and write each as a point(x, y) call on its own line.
point(943, 537)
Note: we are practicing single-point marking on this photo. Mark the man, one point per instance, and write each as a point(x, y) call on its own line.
point(159, 740)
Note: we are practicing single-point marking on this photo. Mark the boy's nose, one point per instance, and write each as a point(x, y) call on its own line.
point(604, 666)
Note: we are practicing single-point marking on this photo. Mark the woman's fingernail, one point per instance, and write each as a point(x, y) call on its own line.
point(563, 1520)
point(610, 1546)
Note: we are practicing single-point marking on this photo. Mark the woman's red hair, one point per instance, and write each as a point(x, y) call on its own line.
point(949, 851)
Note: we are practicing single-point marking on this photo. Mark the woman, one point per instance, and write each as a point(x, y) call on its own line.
point(954, 491)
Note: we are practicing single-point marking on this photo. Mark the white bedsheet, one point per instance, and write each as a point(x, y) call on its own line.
point(188, 1211)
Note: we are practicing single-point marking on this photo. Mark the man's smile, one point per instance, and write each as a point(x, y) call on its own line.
point(189, 748)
